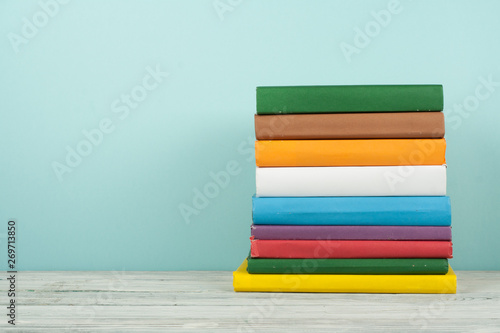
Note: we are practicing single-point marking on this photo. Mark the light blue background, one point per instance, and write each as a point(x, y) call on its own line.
point(119, 209)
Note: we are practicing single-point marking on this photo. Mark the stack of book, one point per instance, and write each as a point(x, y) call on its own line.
point(351, 191)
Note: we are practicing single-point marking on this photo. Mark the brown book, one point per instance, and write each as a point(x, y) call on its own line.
point(384, 125)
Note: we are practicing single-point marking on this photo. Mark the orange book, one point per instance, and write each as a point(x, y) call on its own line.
point(371, 152)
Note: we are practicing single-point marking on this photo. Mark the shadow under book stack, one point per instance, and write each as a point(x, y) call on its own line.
point(351, 191)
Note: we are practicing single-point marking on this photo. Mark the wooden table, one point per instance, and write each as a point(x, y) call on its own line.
point(204, 302)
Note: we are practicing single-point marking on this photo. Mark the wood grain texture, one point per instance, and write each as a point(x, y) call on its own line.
point(205, 302)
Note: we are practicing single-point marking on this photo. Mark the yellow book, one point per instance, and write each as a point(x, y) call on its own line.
point(373, 152)
point(344, 283)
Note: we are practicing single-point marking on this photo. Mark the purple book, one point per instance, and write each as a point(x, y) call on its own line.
point(351, 232)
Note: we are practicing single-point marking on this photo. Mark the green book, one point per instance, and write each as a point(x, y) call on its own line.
point(361, 98)
point(347, 266)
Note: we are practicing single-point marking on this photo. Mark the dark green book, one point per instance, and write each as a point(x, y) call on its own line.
point(347, 266)
point(362, 98)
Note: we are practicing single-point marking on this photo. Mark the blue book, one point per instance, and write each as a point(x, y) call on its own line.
point(415, 211)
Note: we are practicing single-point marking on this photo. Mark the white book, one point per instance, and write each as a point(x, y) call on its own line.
point(404, 180)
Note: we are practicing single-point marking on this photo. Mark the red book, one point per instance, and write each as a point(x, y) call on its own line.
point(261, 248)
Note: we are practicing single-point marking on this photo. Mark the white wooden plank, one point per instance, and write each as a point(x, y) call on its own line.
point(205, 302)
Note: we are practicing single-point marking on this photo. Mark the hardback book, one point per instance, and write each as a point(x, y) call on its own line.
point(337, 249)
point(345, 283)
point(420, 180)
point(375, 125)
point(347, 266)
point(350, 232)
point(354, 98)
point(369, 152)
point(355, 211)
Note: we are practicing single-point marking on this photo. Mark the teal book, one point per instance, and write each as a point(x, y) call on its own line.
point(355, 98)
point(347, 266)
point(403, 210)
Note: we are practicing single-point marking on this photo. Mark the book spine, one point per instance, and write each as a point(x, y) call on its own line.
point(362, 98)
point(347, 266)
point(360, 211)
point(351, 181)
point(389, 125)
point(344, 283)
point(349, 232)
point(374, 152)
point(349, 249)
